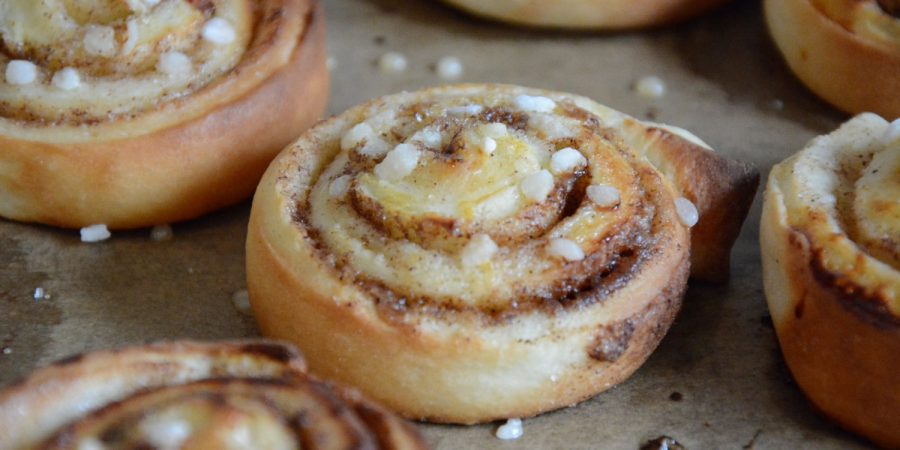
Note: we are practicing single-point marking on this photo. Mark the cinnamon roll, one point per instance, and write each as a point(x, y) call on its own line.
point(231, 395)
point(588, 14)
point(846, 51)
point(132, 113)
point(475, 252)
point(830, 236)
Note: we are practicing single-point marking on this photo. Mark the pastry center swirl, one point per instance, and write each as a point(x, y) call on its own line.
point(486, 203)
point(84, 61)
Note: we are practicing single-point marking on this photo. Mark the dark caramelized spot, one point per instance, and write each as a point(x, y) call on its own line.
point(281, 353)
point(891, 7)
point(513, 119)
point(869, 306)
point(611, 341)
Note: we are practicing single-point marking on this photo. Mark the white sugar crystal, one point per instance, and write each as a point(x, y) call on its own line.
point(478, 250)
point(339, 186)
point(467, 110)
point(95, 233)
point(603, 195)
point(66, 79)
point(20, 72)
point(512, 429)
point(687, 212)
point(218, 31)
point(566, 160)
point(165, 431)
point(359, 132)
point(7, 350)
point(537, 186)
point(566, 249)
point(495, 130)
point(392, 62)
point(651, 87)
point(534, 103)
point(892, 133)
point(39, 294)
point(374, 147)
point(174, 63)
point(241, 301)
point(449, 68)
point(100, 41)
point(431, 137)
point(363, 132)
point(398, 163)
point(161, 233)
point(488, 145)
point(553, 127)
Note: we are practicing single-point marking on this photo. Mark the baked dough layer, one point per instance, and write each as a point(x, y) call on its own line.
point(200, 147)
point(588, 14)
point(241, 394)
point(846, 51)
point(450, 292)
point(830, 235)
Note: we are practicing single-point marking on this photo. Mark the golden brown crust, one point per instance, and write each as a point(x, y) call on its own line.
point(588, 14)
point(456, 359)
point(187, 158)
point(229, 391)
point(723, 195)
point(854, 73)
point(838, 331)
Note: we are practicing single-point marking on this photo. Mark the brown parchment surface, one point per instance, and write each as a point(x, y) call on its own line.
point(725, 82)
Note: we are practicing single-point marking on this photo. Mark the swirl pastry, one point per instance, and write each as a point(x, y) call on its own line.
point(474, 252)
point(845, 51)
point(232, 395)
point(596, 14)
point(830, 237)
point(137, 112)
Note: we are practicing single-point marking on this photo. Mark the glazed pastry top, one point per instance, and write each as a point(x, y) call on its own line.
point(487, 200)
point(841, 192)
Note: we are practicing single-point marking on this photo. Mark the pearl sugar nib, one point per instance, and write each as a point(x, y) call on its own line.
point(20, 72)
point(650, 87)
point(566, 249)
point(537, 186)
point(241, 301)
point(398, 163)
point(566, 160)
point(512, 429)
point(479, 250)
point(66, 79)
point(392, 63)
point(95, 233)
point(687, 212)
point(603, 195)
point(218, 31)
point(449, 68)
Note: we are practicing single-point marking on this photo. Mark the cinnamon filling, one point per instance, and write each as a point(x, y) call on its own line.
point(400, 236)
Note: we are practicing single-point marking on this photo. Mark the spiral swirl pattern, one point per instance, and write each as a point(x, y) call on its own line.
point(134, 113)
point(506, 175)
point(474, 252)
point(128, 56)
point(241, 395)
